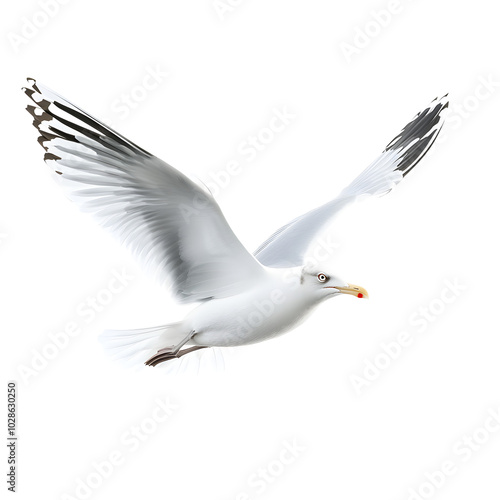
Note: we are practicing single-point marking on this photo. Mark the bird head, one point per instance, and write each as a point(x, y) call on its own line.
point(324, 285)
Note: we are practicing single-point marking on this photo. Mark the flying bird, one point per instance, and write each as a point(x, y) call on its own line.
point(177, 230)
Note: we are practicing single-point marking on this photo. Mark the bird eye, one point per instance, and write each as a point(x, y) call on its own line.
point(322, 278)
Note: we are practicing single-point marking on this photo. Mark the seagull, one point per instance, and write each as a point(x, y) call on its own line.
point(175, 228)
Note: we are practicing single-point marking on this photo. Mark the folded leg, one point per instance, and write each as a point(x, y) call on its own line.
point(167, 354)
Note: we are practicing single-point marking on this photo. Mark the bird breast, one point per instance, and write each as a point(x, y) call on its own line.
point(258, 314)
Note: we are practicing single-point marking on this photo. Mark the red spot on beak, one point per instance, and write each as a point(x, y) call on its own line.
point(360, 295)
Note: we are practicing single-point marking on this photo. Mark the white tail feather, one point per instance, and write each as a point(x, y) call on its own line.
point(133, 347)
point(136, 346)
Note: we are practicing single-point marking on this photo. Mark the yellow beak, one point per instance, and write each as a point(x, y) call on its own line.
point(357, 291)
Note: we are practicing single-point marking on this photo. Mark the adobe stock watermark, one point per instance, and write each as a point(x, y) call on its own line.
point(223, 7)
point(371, 29)
point(260, 480)
point(460, 112)
point(259, 312)
point(462, 451)
point(249, 148)
point(419, 322)
point(130, 100)
point(85, 312)
point(130, 441)
point(31, 25)
point(320, 250)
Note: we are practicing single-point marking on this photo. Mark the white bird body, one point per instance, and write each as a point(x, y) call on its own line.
point(175, 227)
point(262, 312)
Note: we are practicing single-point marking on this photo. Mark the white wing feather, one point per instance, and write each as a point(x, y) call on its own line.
point(288, 245)
point(173, 225)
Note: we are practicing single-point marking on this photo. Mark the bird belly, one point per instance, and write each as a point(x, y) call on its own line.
point(245, 319)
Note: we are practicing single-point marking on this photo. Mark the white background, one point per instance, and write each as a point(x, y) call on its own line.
point(225, 77)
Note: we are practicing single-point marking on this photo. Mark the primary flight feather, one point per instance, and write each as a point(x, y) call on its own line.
point(177, 230)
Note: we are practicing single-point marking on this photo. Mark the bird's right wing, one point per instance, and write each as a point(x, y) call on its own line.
point(288, 245)
point(175, 227)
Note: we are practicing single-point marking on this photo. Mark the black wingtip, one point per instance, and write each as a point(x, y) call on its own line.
point(32, 86)
point(416, 138)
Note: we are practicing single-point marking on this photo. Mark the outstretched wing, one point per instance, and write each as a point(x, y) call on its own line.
point(287, 246)
point(173, 225)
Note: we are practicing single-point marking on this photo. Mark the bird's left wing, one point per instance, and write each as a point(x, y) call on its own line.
point(288, 245)
point(173, 225)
